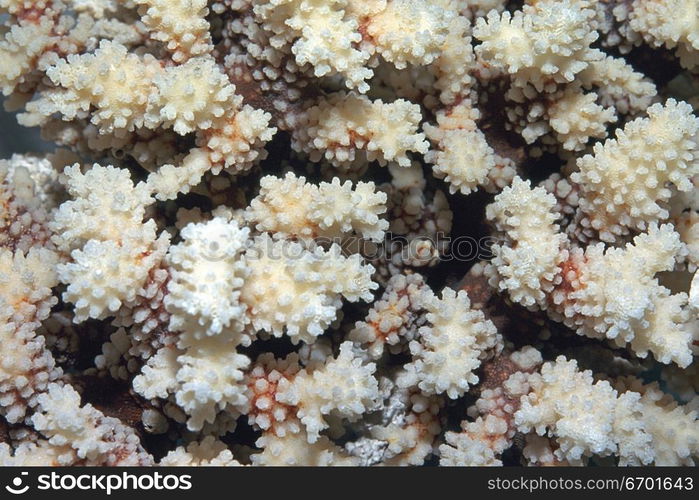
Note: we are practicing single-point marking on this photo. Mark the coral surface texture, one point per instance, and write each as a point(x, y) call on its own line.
point(349, 232)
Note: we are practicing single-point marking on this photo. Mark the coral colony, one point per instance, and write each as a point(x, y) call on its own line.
point(242, 248)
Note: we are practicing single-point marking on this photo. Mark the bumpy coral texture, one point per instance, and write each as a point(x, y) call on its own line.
point(293, 207)
point(349, 233)
point(450, 347)
point(627, 180)
point(540, 44)
point(343, 124)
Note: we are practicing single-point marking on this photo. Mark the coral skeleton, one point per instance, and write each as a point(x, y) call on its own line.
point(349, 233)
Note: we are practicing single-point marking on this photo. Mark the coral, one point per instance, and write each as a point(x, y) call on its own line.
point(462, 156)
point(483, 440)
point(528, 268)
point(625, 183)
point(320, 33)
point(217, 362)
point(349, 232)
point(236, 141)
point(25, 371)
point(578, 430)
point(576, 117)
point(264, 409)
point(409, 31)
point(629, 426)
point(456, 60)
point(23, 221)
point(193, 95)
point(655, 22)
point(599, 292)
point(291, 207)
point(206, 277)
point(343, 387)
point(395, 318)
point(619, 85)
point(294, 450)
point(209, 452)
point(111, 249)
point(112, 80)
point(540, 44)
point(96, 439)
point(451, 347)
point(342, 124)
point(181, 26)
point(409, 438)
point(297, 291)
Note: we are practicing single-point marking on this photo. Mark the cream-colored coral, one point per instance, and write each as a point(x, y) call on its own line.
point(640, 424)
point(575, 117)
point(658, 23)
point(263, 408)
point(625, 183)
point(585, 417)
point(291, 207)
point(297, 291)
point(342, 125)
point(181, 25)
point(527, 269)
point(202, 376)
point(395, 318)
point(118, 84)
point(463, 450)
point(673, 428)
point(39, 454)
point(207, 452)
point(183, 99)
point(33, 180)
point(158, 376)
point(410, 439)
point(20, 47)
point(111, 249)
point(13, 6)
point(344, 387)
point(455, 62)
point(409, 31)
point(170, 180)
point(541, 44)
point(599, 292)
point(115, 358)
point(209, 380)
point(26, 299)
point(106, 205)
point(236, 141)
point(482, 441)
point(25, 284)
point(618, 85)
point(295, 450)
point(97, 8)
point(103, 275)
point(192, 96)
point(23, 215)
point(613, 293)
point(207, 274)
point(451, 347)
point(26, 368)
point(96, 439)
point(320, 34)
point(460, 155)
